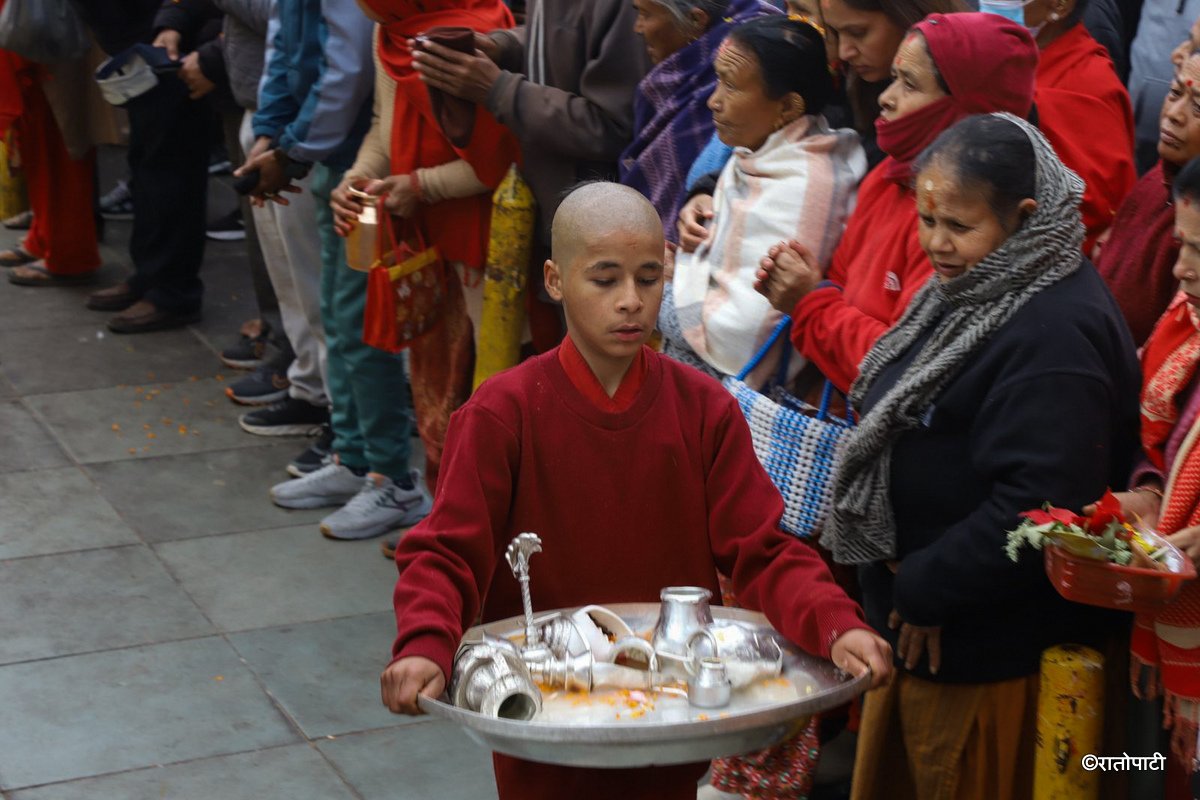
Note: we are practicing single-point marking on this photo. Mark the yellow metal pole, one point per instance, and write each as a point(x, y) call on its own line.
point(510, 248)
point(12, 182)
point(1070, 723)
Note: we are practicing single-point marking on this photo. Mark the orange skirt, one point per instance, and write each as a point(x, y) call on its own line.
point(921, 740)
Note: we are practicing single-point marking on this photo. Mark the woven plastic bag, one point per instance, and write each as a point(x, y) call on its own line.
point(46, 31)
point(798, 445)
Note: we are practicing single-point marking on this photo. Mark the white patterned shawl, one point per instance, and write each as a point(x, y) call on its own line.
point(799, 185)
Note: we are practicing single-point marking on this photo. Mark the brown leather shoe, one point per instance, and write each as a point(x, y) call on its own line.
point(143, 317)
point(114, 298)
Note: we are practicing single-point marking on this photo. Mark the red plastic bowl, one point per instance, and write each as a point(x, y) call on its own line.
point(1102, 583)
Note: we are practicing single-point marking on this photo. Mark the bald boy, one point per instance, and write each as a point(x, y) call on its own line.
point(636, 471)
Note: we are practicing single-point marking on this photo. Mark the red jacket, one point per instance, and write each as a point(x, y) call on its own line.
point(877, 268)
point(1084, 110)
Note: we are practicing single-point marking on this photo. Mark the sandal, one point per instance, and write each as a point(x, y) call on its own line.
point(16, 257)
point(38, 275)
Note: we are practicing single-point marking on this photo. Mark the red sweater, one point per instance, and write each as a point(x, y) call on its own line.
point(1084, 111)
point(1137, 260)
point(665, 493)
point(878, 266)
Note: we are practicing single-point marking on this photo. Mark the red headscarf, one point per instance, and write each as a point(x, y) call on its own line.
point(988, 63)
point(458, 227)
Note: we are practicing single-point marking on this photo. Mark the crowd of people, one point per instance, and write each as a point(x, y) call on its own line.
point(940, 203)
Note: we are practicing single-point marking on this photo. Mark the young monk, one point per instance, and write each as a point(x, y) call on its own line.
point(636, 471)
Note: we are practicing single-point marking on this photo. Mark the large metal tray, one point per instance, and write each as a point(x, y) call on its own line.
point(671, 733)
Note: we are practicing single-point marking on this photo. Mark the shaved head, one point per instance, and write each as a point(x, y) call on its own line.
point(594, 209)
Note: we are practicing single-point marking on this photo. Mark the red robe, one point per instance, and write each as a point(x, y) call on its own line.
point(665, 492)
point(877, 267)
point(1084, 110)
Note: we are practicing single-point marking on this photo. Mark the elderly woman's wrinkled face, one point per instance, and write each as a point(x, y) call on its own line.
point(914, 80)
point(957, 226)
point(743, 113)
point(1179, 123)
point(1187, 231)
point(867, 40)
point(660, 30)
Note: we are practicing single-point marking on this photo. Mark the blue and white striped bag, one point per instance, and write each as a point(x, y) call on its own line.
point(797, 444)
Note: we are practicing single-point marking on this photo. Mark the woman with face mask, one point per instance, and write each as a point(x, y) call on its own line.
point(1136, 258)
point(671, 122)
point(948, 67)
point(1010, 381)
point(861, 39)
point(1082, 106)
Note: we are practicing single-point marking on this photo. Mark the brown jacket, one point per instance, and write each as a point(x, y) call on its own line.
point(575, 125)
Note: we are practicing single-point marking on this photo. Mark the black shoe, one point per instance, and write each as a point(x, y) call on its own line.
point(267, 384)
point(288, 417)
point(114, 298)
point(250, 351)
point(145, 317)
point(228, 228)
point(315, 456)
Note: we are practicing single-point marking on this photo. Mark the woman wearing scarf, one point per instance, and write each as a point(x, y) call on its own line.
point(671, 121)
point(948, 67)
point(443, 187)
point(1166, 495)
point(1010, 381)
point(1137, 258)
point(861, 40)
point(791, 176)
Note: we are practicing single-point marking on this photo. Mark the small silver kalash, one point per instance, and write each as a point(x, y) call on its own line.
point(579, 651)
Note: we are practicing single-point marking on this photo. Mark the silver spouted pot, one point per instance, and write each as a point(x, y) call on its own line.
point(491, 678)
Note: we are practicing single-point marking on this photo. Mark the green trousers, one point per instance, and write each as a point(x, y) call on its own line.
point(367, 388)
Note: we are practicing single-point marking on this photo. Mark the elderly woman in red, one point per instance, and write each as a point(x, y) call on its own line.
point(443, 186)
point(1165, 495)
point(1141, 249)
point(948, 67)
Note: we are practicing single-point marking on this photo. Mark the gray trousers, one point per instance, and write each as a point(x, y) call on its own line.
point(291, 248)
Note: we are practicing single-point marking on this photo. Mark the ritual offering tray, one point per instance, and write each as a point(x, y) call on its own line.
point(634, 684)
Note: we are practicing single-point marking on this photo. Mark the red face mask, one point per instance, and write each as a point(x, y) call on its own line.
point(905, 137)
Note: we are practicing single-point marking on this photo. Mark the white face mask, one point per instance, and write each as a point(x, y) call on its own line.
point(1014, 10)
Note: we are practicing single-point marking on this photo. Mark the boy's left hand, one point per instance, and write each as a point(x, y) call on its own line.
point(860, 650)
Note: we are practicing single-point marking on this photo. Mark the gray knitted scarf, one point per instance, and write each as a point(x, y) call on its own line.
point(964, 313)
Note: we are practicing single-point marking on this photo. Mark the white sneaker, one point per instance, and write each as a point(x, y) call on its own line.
point(380, 506)
point(331, 485)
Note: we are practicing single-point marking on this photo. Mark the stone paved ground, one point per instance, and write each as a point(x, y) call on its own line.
point(165, 632)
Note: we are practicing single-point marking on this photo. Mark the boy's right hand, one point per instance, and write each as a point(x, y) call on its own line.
point(407, 678)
